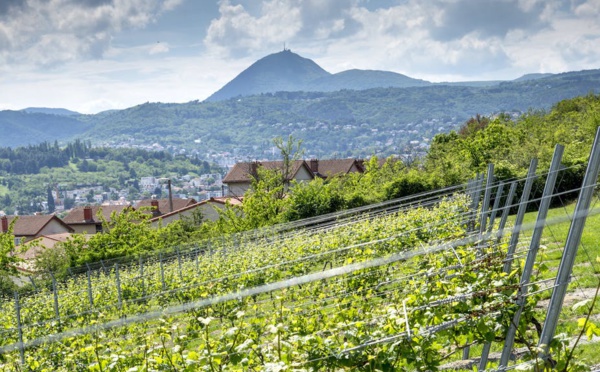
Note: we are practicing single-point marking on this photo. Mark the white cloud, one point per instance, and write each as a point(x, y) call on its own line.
point(46, 33)
point(588, 9)
point(171, 4)
point(438, 40)
point(97, 85)
point(406, 38)
point(398, 39)
point(238, 31)
point(159, 48)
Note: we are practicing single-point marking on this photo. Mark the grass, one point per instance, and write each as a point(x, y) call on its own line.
point(3, 190)
point(555, 235)
point(585, 271)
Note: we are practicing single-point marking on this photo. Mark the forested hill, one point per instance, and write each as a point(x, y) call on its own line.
point(344, 123)
point(27, 173)
point(510, 144)
point(287, 71)
point(20, 128)
point(33, 159)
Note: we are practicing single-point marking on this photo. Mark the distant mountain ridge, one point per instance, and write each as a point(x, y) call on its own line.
point(351, 113)
point(283, 71)
point(20, 128)
point(533, 76)
point(286, 71)
point(50, 111)
point(289, 72)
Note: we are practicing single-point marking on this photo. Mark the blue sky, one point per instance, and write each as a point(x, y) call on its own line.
point(94, 55)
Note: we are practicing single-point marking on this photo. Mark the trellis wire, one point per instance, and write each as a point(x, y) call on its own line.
point(191, 305)
point(572, 243)
point(532, 253)
point(141, 275)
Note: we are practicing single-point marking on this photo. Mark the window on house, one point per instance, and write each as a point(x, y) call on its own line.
point(98, 229)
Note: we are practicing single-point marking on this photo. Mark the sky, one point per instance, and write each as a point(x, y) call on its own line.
point(95, 55)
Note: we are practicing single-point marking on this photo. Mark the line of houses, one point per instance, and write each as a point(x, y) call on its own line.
point(48, 230)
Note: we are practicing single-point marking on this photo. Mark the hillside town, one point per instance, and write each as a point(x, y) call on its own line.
point(91, 207)
point(405, 139)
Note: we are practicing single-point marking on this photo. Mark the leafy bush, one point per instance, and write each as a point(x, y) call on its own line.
point(313, 199)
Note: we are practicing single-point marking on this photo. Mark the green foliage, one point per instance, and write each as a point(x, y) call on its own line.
point(7, 250)
point(511, 144)
point(28, 128)
point(51, 205)
point(245, 122)
point(290, 151)
point(263, 202)
point(313, 199)
point(31, 174)
point(128, 233)
point(413, 314)
point(54, 260)
point(270, 201)
point(412, 182)
point(8, 258)
point(313, 116)
point(249, 333)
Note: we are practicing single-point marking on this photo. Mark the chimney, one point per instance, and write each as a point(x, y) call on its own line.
point(87, 213)
point(155, 210)
point(254, 169)
point(314, 165)
point(4, 224)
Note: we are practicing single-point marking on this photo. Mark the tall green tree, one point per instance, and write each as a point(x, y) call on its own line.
point(291, 151)
point(8, 258)
point(51, 205)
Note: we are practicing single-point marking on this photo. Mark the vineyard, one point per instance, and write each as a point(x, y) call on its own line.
point(410, 284)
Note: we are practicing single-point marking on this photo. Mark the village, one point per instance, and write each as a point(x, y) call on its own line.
point(93, 206)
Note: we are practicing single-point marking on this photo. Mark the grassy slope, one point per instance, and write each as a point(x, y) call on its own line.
point(585, 271)
point(555, 235)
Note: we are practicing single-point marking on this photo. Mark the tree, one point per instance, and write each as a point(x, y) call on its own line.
point(8, 258)
point(90, 196)
point(7, 200)
point(290, 152)
point(52, 260)
point(263, 202)
point(313, 198)
point(83, 166)
point(125, 234)
point(51, 206)
point(68, 203)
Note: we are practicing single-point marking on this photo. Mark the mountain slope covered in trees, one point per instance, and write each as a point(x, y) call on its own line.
point(347, 122)
point(344, 123)
point(20, 128)
point(27, 173)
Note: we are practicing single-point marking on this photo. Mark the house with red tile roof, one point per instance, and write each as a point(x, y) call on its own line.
point(239, 178)
point(87, 219)
point(158, 207)
point(30, 227)
point(208, 209)
point(36, 246)
point(335, 167)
